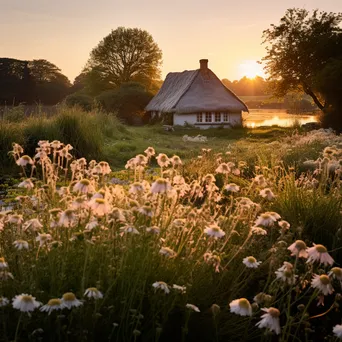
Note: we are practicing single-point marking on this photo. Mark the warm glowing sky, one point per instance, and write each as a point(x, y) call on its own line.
point(226, 32)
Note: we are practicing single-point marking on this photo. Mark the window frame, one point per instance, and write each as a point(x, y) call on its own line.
point(217, 115)
point(208, 115)
point(199, 117)
point(226, 117)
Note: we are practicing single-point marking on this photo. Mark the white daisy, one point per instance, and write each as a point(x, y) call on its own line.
point(336, 272)
point(241, 307)
point(3, 301)
point(161, 185)
point(25, 303)
point(337, 330)
point(93, 292)
point(214, 231)
point(52, 305)
point(43, 239)
point(251, 262)
point(129, 229)
point(284, 225)
point(286, 274)
point(192, 307)
point(27, 184)
point(223, 168)
point(258, 231)
point(99, 206)
point(136, 188)
point(265, 220)
point(179, 288)
point(83, 186)
point(32, 225)
point(167, 252)
point(153, 230)
point(162, 286)
point(21, 244)
point(68, 218)
point(270, 320)
point(24, 160)
point(319, 253)
point(163, 160)
point(260, 180)
point(322, 283)
point(5, 275)
point(232, 187)
point(150, 151)
point(298, 248)
point(15, 219)
point(69, 300)
point(267, 193)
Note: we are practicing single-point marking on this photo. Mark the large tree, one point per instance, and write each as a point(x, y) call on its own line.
point(300, 50)
point(125, 55)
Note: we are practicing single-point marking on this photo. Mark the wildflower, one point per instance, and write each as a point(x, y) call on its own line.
point(298, 248)
point(91, 225)
point(24, 160)
point(163, 160)
point(99, 206)
point(153, 230)
point(251, 262)
point(161, 185)
point(27, 184)
point(167, 252)
point(43, 239)
point(3, 301)
point(33, 225)
point(214, 231)
point(241, 307)
point(5, 275)
point(68, 218)
point(140, 160)
point(337, 330)
point(3, 263)
point(21, 244)
point(322, 283)
point(223, 168)
point(260, 180)
point(136, 188)
point(83, 186)
point(162, 286)
point(69, 300)
point(52, 305)
point(56, 144)
point(179, 288)
point(232, 187)
point(106, 170)
point(15, 219)
point(93, 292)
point(25, 303)
point(209, 178)
point(129, 229)
point(176, 161)
point(150, 151)
point(284, 225)
point(215, 309)
point(192, 307)
point(146, 210)
point(265, 220)
point(270, 320)
point(258, 231)
point(262, 297)
point(213, 259)
point(275, 215)
point(286, 274)
point(336, 272)
point(267, 193)
point(319, 253)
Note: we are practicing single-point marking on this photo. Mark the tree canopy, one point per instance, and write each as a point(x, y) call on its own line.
point(37, 81)
point(125, 55)
point(303, 51)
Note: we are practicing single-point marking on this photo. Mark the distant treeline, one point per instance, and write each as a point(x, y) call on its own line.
point(247, 86)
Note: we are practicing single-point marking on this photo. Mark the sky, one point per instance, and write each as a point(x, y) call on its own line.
point(226, 32)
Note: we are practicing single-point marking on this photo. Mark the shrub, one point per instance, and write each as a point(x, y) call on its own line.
point(84, 101)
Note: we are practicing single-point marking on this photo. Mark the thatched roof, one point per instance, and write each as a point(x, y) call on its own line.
point(192, 92)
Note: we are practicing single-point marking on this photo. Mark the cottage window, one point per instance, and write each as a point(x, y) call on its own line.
point(217, 117)
point(225, 117)
point(199, 117)
point(208, 117)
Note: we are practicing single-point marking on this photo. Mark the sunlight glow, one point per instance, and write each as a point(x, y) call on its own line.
point(251, 69)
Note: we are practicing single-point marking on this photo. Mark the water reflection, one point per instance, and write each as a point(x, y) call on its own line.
point(257, 118)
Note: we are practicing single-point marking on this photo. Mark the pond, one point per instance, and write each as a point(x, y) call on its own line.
point(271, 117)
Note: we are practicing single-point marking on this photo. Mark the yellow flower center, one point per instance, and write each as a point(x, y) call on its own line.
point(100, 201)
point(54, 302)
point(244, 303)
point(300, 245)
point(93, 289)
point(69, 297)
point(2, 260)
point(251, 260)
point(27, 298)
point(320, 249)
point(161, 181)
point(288, 273)
point(68, 212)
point(85, 182)
point(27, 158)
point(337, 271)
point(324, 279)
point(215, 229)
point(274, 312)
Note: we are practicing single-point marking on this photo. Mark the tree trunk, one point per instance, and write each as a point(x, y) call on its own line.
point(313, 96)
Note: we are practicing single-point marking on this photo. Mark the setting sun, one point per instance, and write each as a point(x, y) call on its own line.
point(251, 69)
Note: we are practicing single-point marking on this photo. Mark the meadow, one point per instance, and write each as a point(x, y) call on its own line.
point(236, 238)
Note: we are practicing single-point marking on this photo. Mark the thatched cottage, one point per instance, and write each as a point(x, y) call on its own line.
point(197, 97)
